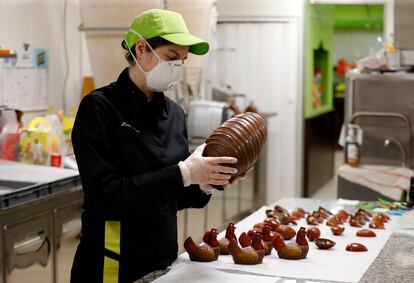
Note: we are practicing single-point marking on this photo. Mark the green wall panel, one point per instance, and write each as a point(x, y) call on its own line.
point(320, 23)
point(359, 16)
point(319, 29)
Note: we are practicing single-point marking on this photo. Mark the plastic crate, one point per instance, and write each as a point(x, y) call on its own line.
point(63, 185)
point(23, 195)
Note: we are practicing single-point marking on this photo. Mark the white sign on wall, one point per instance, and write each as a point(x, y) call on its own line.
point(24, 88)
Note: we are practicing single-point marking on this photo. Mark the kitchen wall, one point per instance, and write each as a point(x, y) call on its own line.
point(260, 8)
point(198, 14)
point(41, 24)
point(355, 44)
point(259, 53)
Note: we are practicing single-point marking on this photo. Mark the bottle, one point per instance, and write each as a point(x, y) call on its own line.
point(56, 159)
point(351, 147)
point(55, 156)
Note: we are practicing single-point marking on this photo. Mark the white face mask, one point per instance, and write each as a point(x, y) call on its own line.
point(166, 75)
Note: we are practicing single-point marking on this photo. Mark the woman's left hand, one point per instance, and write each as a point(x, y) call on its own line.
point(208, 189)
point(235, 181)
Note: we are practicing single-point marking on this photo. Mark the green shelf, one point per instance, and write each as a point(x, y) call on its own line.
point(320, 24)
point(319, 28)
point(359, 17)
point(4, 56)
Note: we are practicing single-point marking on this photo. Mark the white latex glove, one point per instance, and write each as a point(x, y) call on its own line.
point(236, 180)
point(207, 189)
point(208, 170)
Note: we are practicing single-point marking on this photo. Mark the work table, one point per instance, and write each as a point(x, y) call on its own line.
point(21, 183)
point(40, 211)
point(10, 170)
point(394, 253)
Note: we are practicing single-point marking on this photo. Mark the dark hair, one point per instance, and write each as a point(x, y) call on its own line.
point(155, 42)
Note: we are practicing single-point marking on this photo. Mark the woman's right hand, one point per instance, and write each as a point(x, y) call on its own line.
point(209, 170)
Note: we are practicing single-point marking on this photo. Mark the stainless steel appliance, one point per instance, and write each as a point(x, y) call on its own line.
point(403, 24)
point(39, 238)
point(403, 35)
point(67, 225)
point(203, 118)
point(28, 250)
point(40, 219)
point(383, 105)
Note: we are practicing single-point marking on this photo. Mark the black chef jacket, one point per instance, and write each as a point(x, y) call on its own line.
point(127, 150)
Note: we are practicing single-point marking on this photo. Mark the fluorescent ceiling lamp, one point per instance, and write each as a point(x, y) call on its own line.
point(348, 1)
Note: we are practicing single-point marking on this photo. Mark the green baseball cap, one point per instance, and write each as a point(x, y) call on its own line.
point(168, 25)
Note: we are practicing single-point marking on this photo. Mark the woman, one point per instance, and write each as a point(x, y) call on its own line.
point(131, 146)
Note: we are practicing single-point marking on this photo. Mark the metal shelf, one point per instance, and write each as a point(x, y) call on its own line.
point(3, 56)
point(102, 29)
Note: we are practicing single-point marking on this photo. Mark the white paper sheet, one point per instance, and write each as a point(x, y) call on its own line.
point(25, 88)
point(183, 273)
point(335, 264)
point(342, 201)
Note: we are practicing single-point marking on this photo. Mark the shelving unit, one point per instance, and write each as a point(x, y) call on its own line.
point(5, 56)
point(318, 54)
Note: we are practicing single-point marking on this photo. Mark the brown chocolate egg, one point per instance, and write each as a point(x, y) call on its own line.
point(363, 211)
point(273, 223)
point(343, 215)
point(287, 232)
point(259, 225)
point(283, 217)
point(334, 221)
point(324, 244)
point(365, 233)
point(241, 137)
point(270, 213)
point(313, 233)
point(319, 217)
point(356, 247)
point(298, 213)
point(312, 220)
point(337, 230)
point(355, 221)
point(377, 225)
point(253, 232)
point(381, 217)
point(278, 208)
point(324, 212)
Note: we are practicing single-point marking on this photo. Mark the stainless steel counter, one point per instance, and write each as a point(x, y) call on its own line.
point(21, 183)
point(22, 172)
point(40, 220)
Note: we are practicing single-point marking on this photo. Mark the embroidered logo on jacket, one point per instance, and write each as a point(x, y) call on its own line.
point(125, 124)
